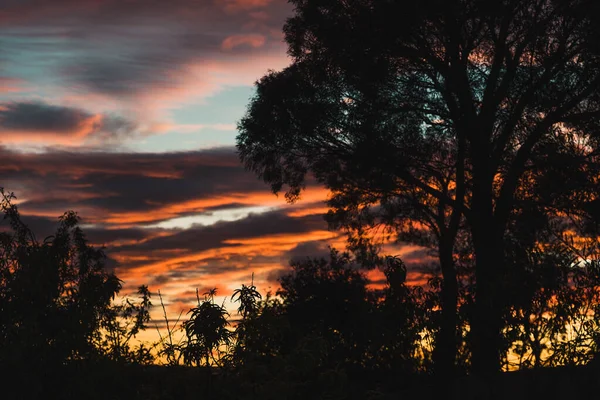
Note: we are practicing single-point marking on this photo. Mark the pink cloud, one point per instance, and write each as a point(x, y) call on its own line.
point(146, 59)
point(10, 85)
point(252, 40)
point(242, 5)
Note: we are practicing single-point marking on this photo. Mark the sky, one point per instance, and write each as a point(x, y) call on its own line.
point(125, 111)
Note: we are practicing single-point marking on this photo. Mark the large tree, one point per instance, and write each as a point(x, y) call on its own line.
point(428, 116)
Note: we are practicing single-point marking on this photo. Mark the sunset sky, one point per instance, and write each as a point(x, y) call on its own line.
point(125, 111)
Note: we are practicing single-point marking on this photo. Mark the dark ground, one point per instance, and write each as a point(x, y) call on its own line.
point(111, 381)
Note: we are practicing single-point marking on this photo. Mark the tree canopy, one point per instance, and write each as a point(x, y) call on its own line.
point(438, 119)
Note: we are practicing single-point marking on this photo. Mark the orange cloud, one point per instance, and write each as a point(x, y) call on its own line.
point(169, 211)
point(196, 80)
point(253, 40)
point(269, 246)
point(302, 212)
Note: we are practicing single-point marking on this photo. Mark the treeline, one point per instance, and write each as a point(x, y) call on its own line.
point(324, 330)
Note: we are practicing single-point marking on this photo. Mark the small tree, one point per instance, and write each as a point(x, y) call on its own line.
point(206, 331)
point(249, 308)
point(54, 294)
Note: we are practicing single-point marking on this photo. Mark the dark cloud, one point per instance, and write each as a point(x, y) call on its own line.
point(225, 206)
point(101, 236)
point(312, 249)
point(120, 77)
point(38, 118)
point(115, 12)
point(200, 238)
point(40, 226)
point(160, 279)
point(419, 255)
point(274, 276)
point(121, 182)
point(43, 227)
point(69, 163)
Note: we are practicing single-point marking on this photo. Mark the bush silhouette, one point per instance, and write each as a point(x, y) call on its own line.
point(54, 294)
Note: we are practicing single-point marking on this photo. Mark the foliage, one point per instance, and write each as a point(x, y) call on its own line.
point(168, 347)
point(56, 299)
point(248, 297)
point(121, 324)
point(54, 295)
point(436, 117)
point(326, 319)
point(206, 331)
point(553, 319)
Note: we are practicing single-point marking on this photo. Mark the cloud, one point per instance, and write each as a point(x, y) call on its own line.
point(121, 190)
point(149, 61)
point(10, 85)
point(254, 230)
point(223, 254)
point(239, 5)
point(137, 48)
point(113, 192)
point(252, 40)
point(39, 117)
point(315, 249)
point(23, 122)
point(123, 197)
point(105, 71)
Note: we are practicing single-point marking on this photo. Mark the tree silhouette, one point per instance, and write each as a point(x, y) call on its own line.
point(54, 295)
point(404, 317)
point(59, 329)
point(262, 335)
point(325, 309)
point(206, 331)
point(249, 299)
point(327, 300)
point(552, 313)
point(121, 324)
point(446, 105)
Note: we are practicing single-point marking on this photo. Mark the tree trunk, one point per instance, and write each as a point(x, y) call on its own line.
point(486, 323)
point(447, 341)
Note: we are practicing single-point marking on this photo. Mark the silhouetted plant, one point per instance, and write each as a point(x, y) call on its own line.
point(327, 300)
point(250, 305)
point(325, 317)
point(553, 319)
point(168, 347)
point(54, 295)
point(262, 336)
point(248, 297)
point(406, 336)
point(206, 331)
point(121, 324)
